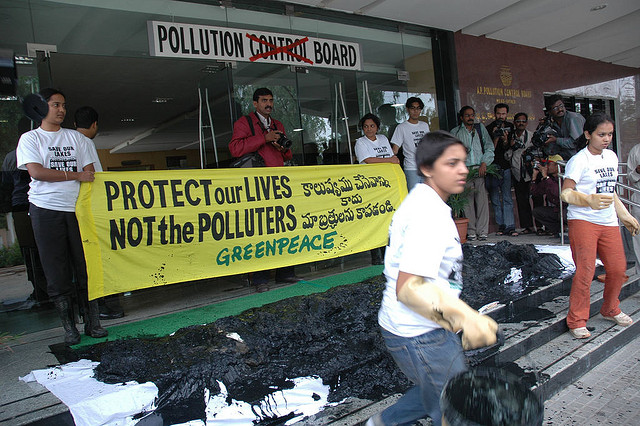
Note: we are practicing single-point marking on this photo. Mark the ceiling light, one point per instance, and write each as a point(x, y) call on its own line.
point(128, 120)
point(158, 100)
point(397, 105)
point(598, 7)
point(297, 130)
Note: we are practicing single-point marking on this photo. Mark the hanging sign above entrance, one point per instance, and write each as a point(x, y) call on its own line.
point(175, 40)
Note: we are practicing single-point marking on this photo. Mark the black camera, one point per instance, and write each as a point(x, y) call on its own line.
point(543, 132)
point(529, 157)
point(517, 144)
point(500, 130)
point(284, 141)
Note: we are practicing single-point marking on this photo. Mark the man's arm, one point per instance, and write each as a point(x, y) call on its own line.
point(489, 153)
point(38, 172)
point(242, 141)
point(633, 165)
point(575, 122)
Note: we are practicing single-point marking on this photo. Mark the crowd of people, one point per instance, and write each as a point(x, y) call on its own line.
point(420, 315)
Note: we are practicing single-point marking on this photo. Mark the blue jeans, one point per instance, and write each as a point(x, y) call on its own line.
point(429, 361)
point(500, 195)
point(412, 178)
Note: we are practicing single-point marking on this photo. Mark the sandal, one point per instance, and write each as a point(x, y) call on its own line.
point(621, 319)
point(526, 231)
point(499, 233)
point(580, 333)
point(513, 233)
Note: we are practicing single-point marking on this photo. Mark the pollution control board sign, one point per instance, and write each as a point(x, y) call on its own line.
point(175, 40)
point(151, 228)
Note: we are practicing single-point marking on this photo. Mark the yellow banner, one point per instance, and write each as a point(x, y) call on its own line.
point(145, 229)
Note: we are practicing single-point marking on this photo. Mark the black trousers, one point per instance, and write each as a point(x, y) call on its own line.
point(262, 277)
point(26, 240)
point(521, 188)
point(549, 217)
point(60, 246)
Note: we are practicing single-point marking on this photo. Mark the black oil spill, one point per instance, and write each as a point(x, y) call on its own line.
point(332, 335)
point(486, 267)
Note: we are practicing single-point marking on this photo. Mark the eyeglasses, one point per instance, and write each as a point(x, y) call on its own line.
point(557, 107)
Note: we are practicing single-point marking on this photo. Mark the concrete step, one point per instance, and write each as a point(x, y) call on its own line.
point(563, 359)
point(542, 350)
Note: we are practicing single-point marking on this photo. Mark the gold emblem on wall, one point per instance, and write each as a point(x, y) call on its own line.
point(505, 75)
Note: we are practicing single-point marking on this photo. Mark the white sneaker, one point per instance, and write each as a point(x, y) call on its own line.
point(375, 420)
point(621, 319)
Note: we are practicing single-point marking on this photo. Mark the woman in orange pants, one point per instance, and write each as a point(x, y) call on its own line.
point(593, 213)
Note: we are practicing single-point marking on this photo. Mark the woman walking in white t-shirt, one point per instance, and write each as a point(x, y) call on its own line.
point(593, 213)
point(420, 312)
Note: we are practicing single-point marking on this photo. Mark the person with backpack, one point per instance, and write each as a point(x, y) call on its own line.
point(259, 133)
point(261, 139)
point(480, 153)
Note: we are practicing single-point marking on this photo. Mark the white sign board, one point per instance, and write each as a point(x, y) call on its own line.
point(175, 40)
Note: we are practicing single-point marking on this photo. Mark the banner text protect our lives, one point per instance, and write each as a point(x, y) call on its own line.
point(172, 226)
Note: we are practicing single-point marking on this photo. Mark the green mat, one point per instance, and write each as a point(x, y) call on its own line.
point(167, 324)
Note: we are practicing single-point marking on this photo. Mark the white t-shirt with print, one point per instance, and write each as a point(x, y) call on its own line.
point(63, 150)
point(379, 148)
point(407, 136)
point(423, 241)
point(593, 174)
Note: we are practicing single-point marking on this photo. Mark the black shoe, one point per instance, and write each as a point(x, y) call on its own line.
point(288, 280)
point(107, 313)
point(261, 288)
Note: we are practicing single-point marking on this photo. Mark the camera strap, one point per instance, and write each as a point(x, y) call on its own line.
point(261, 124)
point(479, 131)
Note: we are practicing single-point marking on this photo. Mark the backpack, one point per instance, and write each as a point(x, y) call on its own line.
point(252, 159)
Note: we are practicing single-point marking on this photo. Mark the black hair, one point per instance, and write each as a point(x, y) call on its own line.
point(548, 103)
point(526, 117)
point(500, 105)
point(596, 119)
point(369, 116)
point(463, 109)
point(431, 147)
point(49, 92)
point(262, 91)
point(85, 116)
point(414, 99)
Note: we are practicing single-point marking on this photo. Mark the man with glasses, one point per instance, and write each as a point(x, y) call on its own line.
point(406, 136)
point(480, 153)
point(568, 126)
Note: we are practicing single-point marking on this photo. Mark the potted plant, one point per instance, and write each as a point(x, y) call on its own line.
point(458, 202)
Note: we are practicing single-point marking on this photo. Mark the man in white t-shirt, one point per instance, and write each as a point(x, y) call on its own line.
point(85, 121)
point(57, 160)
point(406, 136)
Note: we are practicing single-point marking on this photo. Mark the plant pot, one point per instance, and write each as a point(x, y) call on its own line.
point(462, 223)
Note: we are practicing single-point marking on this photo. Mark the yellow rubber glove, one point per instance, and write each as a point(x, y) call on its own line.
point(428, 300)
point(625, 217)
point(595, 201)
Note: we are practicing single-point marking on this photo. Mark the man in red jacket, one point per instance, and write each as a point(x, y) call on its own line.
point(258, 132)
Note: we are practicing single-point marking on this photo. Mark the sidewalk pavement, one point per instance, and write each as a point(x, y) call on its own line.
point(609, 394)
